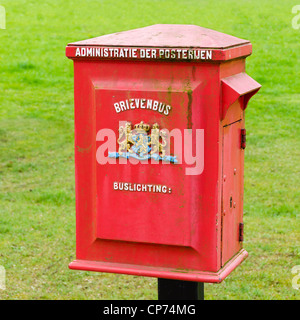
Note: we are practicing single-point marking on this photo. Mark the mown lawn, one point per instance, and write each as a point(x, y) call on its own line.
point(37, 203)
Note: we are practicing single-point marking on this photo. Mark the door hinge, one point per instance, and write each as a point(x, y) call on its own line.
point(243, 138)
point(241, 232)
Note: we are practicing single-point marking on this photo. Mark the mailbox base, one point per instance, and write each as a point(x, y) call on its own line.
point(158, 272)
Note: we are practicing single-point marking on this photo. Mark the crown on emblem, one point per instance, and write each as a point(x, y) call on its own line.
point(142, 127)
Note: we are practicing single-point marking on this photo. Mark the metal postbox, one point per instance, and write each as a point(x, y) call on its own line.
point(159, 151)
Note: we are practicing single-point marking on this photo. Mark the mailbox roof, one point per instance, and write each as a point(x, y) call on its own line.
point(167, 35)
point(223, 46)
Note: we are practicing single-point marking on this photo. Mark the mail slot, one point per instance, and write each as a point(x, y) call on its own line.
point(159, 152)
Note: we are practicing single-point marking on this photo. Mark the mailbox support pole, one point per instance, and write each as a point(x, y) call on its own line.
point(169, 289)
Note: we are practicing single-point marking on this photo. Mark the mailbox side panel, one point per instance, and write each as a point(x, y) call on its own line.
point(232, 189)
point(178, 230)
point(232, 161)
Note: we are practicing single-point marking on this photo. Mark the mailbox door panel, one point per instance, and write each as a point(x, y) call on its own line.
point(232, 204)
point(141, 200)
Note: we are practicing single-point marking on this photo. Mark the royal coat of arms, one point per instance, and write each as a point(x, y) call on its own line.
point(142, 143)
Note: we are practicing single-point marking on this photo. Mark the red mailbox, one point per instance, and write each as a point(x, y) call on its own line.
point(159, 149)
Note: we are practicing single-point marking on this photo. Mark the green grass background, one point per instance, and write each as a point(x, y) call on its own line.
point(37, 204)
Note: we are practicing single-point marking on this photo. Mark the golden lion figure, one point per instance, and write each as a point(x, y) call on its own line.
point(125, 134)
point(163, 145)
point(154, 141)
point(156, 145)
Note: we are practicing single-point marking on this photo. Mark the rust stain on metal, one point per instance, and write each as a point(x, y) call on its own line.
point(189, 109)
point(194, 72)
point(84, 150)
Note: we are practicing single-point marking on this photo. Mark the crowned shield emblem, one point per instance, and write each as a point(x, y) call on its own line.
point(143, 142)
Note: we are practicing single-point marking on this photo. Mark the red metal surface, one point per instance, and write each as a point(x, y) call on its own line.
point(232, 187)
point(183, 233)
point(158, 272)
point(236, 87)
